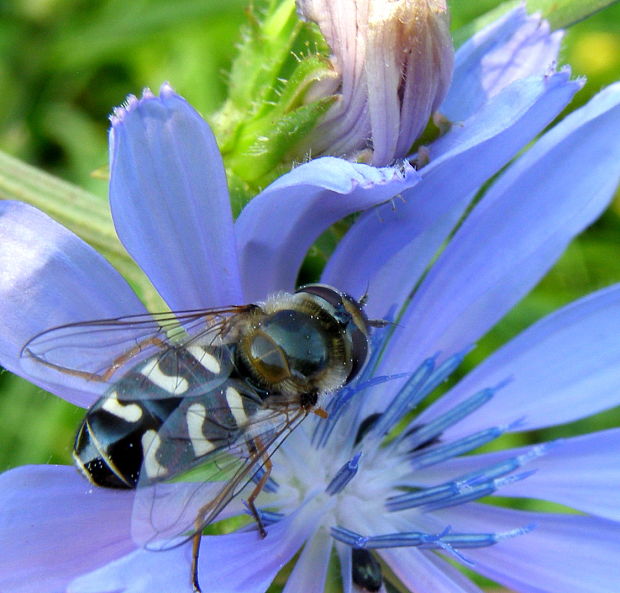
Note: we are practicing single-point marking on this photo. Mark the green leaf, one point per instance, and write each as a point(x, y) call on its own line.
point(86, 214)
point(564, 13)
point(265, 47)
point(265, 150)
point(35, 426)
point(559, 13)
point(262, 124)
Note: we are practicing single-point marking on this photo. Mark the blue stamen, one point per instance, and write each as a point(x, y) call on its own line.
point(424, 380)
point(456, 487)
point(408, 397)
point(346, 536)
point(269, 517)
point(433, 429)
point(446, 540)
point(467, 494)
point(452, 488)
point(344, 475)
point(446, 368)
point(421, 497)
point(515, 532)
point(446, 451)
point(449, 549)
point(471, 492)
point(337, 405)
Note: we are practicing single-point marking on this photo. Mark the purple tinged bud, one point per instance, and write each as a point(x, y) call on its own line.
point(394, 61)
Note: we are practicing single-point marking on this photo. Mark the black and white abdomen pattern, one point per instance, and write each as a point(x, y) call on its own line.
point(164, 398)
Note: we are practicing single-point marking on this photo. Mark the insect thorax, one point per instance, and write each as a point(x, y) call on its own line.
point(299, 346)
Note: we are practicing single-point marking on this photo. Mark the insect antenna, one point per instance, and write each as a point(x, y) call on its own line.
point(372, 322)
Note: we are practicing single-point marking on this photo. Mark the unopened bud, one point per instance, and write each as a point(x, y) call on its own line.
point(394, 61)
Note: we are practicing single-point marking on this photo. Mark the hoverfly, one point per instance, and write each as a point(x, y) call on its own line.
point(198, 401)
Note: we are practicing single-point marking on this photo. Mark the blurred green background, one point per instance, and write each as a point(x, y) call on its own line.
point(65, 63)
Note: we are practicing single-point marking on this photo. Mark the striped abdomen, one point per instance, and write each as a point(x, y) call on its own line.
point(163, 417)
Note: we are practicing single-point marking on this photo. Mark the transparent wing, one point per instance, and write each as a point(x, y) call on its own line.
point(100, 350)
point(203, 456)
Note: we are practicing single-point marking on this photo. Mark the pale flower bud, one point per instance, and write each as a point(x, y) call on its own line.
point(394, 60)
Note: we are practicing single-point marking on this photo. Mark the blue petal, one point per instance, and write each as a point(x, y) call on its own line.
point(310, 569)
point(515, 234)
point(346, 566)
point(164, 510)
point(235, 563)
point(567, 553)
point(564, 367)
point(388, 248)
point(170, 201)
point(276, 229)
point(514, 47)
point(50, 277)
point(139, 572)
point(54, 526)
point(581, 472)
point(424, 572)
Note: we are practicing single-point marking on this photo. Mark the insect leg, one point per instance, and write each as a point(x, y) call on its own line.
point(194, 570)
point(200, 519)
point(257, 490)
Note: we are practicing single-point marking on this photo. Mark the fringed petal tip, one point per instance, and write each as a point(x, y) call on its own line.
point(566, 71)
point(119, 112)
point(132, 102)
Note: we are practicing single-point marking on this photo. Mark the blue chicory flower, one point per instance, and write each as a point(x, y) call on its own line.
point(338, 484)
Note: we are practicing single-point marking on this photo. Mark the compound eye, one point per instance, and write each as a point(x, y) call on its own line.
point(327, 293)
point(268, 359)
point(349, 313)
point(359, 350)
